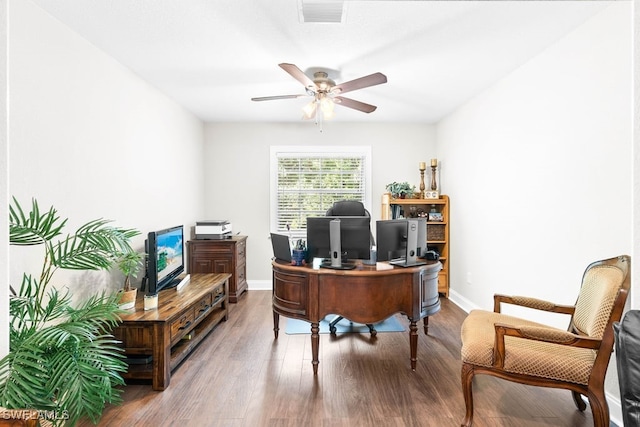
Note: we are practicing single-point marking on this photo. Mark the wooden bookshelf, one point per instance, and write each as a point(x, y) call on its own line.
point(437, 231)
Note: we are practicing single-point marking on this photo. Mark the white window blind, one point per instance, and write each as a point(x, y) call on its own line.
point(307, 183)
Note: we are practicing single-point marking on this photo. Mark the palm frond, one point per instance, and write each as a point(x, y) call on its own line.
point(94, 246)
point(34, 228)
point(24, 377)
point(65, 367)
point(81, 371)
point(27, 314)
point(101, 310)
point(57, 305)
point(24, 311)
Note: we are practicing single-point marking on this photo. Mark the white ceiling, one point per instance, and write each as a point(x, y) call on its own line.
point(212, 56)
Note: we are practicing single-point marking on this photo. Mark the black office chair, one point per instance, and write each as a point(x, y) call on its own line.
point(348, 208)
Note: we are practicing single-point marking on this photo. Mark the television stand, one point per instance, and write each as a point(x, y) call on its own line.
point(156, 341)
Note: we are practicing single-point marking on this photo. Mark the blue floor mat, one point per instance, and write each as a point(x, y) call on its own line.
point(295, 326)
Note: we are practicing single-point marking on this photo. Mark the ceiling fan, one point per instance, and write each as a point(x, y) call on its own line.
point(326, 93)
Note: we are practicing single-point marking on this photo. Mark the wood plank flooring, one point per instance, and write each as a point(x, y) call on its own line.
point(241, 376)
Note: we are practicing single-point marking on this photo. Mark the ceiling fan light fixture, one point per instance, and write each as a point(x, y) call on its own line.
point(309, 110)
point(322, 80)
point(326, 93)
point(326, 106)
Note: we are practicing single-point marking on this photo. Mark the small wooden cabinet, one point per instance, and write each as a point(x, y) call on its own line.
point(221, 256)
point(156, 341)
point(437, 231)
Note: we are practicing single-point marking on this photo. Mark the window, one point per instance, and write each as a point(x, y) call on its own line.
point(306, 181)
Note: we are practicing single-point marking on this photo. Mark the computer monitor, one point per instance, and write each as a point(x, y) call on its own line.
point(402, 242)
point(338, 239)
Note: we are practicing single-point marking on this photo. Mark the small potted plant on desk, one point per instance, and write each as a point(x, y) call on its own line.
point(129, 263)
point(399, 190)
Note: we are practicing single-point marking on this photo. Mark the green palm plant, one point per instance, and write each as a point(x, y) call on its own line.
point(62, 359)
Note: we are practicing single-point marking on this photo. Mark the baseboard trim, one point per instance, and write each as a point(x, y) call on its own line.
point(615, 410)
point(465, 304)
point(259, 285)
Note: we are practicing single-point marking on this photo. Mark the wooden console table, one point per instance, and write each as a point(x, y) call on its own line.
point(156, 341)
point(367, 294)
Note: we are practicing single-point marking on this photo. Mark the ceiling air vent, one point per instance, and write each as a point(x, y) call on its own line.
point(321, 11)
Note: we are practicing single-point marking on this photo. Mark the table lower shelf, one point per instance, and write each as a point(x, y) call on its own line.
point(144, 371)
point(197, 334)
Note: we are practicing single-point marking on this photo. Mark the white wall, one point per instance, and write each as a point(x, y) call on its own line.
point(92, 139)
point(547, 161)
point(4, 186)
point(635, 295)
point(237, 171)
point(635, 278)
point(548, 173)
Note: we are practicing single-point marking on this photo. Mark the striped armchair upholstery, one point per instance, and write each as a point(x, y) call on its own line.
point(532, 353)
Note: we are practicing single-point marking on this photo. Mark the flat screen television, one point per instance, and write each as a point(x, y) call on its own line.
point(165, 258)
point(348, 238)
point(402, 242)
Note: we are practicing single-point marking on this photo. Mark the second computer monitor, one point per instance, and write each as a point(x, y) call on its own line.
point(355, 237)
point(401, 239)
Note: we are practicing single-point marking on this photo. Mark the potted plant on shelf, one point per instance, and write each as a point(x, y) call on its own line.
point(62, 360)
point(399, 190)
point(129, 263)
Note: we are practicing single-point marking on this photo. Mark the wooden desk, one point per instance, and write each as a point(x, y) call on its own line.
point(169, 333)
point(367, 294)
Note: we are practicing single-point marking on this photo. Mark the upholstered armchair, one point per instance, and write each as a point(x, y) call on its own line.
point(531, 353)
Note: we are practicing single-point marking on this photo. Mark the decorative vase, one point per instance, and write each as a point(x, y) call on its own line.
point(298, 256)
point(128, 299)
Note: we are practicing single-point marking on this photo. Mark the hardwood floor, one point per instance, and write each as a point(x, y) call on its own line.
point(241, 376)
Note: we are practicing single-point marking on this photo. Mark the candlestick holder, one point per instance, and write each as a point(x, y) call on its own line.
point(434, 184)
point(434, 193)
point(422, 186)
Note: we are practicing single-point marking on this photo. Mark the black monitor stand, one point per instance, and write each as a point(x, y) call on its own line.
point(403, 263)
point(344, 265)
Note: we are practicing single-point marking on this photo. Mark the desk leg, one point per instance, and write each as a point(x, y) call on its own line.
point(315, 344)
point(276, 324)
point(425, 322)
point(413, 342)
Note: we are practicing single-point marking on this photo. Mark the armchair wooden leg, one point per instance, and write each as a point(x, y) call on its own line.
point(577, 399)
point(467, 390)
point(599, 408)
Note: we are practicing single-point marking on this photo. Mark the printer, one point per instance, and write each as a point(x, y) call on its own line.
point(212, 230)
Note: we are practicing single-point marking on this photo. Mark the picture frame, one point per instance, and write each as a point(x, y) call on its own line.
point(435, 216)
